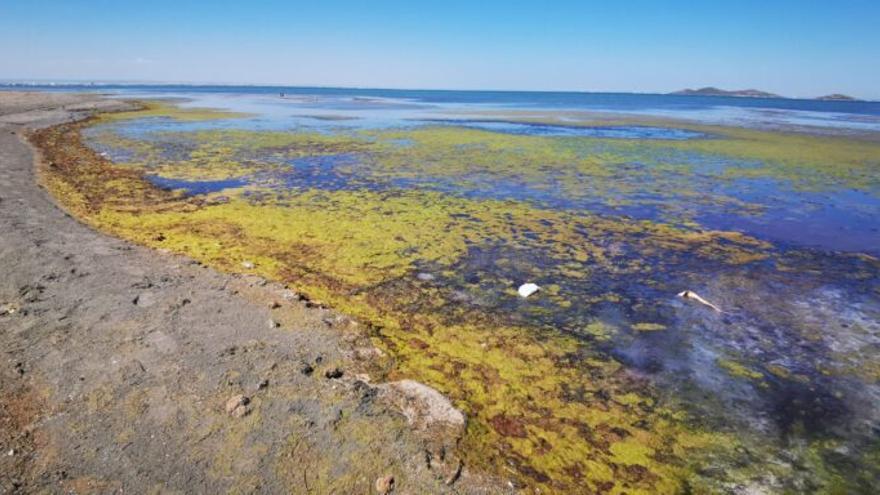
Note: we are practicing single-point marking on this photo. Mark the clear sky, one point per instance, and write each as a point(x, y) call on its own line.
point(792, 47)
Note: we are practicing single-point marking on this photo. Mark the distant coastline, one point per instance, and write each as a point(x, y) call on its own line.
point(712, 91)
point(837, 97)
point(752, 93)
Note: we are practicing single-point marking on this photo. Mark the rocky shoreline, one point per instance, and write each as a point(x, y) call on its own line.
point(127, 369)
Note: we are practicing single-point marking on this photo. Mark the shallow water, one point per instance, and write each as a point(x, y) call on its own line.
point(424, 222)
point(533, 129)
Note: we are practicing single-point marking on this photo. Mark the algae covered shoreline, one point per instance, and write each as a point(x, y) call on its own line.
point(604, 382)
point(127, 369)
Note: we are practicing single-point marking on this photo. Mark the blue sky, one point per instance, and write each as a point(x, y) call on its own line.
point(797, 48)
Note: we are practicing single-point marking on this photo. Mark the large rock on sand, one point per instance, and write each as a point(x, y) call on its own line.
point(433, 417)
point(425, 408)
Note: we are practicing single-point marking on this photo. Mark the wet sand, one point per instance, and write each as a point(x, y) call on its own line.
point(121, 367)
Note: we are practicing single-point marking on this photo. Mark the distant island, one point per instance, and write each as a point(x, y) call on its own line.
point(753, 93)
point(837, 97)
point(710, 91)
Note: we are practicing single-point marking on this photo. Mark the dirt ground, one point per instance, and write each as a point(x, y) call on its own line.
point(128, 370)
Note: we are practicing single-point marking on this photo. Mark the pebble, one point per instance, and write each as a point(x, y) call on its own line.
point(385, 484)
point(273, 323)
point(237, 406)
point(247, 264)
point(306, 369)
point(145, 299)
point(333, 373)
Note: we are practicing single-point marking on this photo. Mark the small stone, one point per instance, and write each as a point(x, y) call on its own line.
point(145, 299)
point(11, 452)
point(385, 484)
point(306, 369)
point(240, 412)
point(247, 264)
point(237, 406)
point(274, 305)
point(273, 324)
point(425, 277)
point(333, 373)
point(263, 384)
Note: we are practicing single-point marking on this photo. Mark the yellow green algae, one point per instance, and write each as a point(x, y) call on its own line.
point(164, 109)
point(545, 408)
point(737, 369)
point(812, 161)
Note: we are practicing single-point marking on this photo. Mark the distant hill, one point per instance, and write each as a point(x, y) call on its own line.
point(837, 97)
point(710, 91)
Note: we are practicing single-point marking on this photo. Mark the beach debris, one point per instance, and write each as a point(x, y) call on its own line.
point(688, 294)
point(526, 290)
point(385, 484)
point(8, 309)
point(249, 265)
point(237, 406)
point(425, 277)
point(452, 469)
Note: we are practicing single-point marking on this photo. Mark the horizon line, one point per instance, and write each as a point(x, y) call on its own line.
point(146, 82)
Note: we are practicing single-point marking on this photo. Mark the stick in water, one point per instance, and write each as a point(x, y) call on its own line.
point(688, 294)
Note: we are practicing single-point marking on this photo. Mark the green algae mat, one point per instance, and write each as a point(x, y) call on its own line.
point(423, 225)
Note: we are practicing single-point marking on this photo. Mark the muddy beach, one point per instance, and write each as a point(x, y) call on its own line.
point(126, 369)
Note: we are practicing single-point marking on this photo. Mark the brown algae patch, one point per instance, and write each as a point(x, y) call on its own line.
point(552, 411)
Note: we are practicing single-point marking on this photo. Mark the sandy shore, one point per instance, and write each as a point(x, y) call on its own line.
point(126, 369)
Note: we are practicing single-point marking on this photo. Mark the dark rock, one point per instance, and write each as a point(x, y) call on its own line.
point(333, 373)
